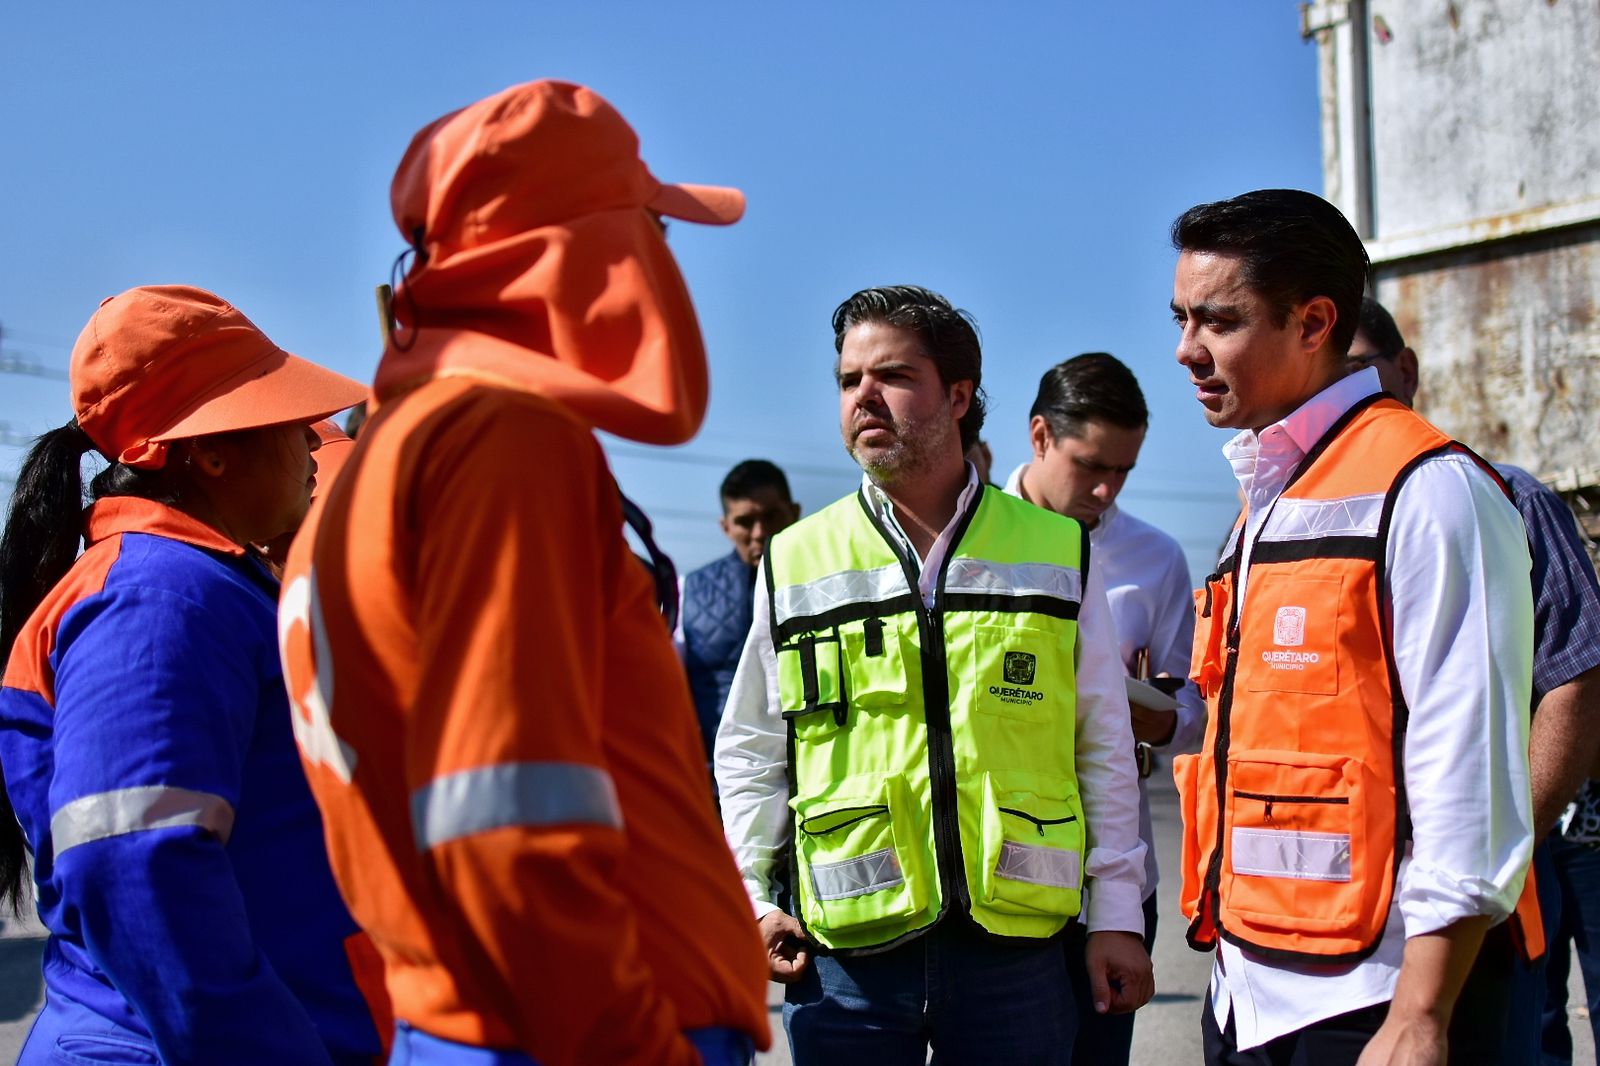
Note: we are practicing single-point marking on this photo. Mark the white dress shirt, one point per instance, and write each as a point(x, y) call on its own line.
point(1461, 603)
point(1146, 579)
point(751, 750)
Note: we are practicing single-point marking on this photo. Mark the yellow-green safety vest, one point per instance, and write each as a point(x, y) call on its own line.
point(931, 761)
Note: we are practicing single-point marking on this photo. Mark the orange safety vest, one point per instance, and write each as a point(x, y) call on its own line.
point(1294, 810)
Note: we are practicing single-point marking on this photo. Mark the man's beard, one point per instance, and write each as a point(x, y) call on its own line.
point(917, 443)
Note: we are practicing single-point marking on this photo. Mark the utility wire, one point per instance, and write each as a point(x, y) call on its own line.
point(9, 435)
point(20, 365)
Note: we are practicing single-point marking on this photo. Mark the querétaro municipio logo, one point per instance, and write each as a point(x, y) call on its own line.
point(1289, 627)
point(1020, 667)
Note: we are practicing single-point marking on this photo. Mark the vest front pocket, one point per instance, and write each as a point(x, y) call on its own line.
point(1185, 770)
point(1021, 672)
point(859, 863)
point(1032, 845)
point(1298, 857)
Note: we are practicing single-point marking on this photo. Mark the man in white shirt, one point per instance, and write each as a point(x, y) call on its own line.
point(1360, 811)
point(1085, 430)
point(947, 820)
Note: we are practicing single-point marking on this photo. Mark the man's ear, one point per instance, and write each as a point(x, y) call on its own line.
point(1410, 373)
point(1317, 318)
point(960, 399)
point(1039, 436)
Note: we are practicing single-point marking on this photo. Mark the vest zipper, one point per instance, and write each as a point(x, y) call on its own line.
point(936, 711)
point(1269, 799)
point(1039, 823)
point(941, 756)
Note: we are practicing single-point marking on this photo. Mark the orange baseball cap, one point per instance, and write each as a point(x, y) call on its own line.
point(538, 154)
point(162, 362)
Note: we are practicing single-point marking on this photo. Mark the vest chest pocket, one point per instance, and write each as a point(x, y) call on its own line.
point(1297, 646)
point(811, 684)
point(879, 661)
point(1021, 672)
point(1032, 845)
point(859, 863)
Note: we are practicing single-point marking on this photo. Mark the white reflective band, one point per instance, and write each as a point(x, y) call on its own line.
point(1014, 579)
point(519, 793)
point(1040, 865)
point(135, 810)
point(1233, 542)
point(1351, 516)
point(857, 877)
point(839, 590)
point(1291, 853)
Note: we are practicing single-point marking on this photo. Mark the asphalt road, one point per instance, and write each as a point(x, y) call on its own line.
point(1167, 1033)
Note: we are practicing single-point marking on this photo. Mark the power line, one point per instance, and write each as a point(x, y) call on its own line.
point(721, 462)
point(9, 435)
point(16, 364)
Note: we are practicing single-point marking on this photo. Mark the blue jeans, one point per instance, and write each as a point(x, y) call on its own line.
point(970, 997)
point(413, 1047)
point(1578, 877)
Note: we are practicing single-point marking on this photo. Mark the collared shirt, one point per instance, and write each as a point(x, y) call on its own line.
point(1566, 593)
point(751, 751)
point(1459, 595)
point(1146, 579)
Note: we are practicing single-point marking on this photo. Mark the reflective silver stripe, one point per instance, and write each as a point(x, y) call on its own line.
point(1233, 543)
point(134, 810)
point(1350, 516)
point(1014, 579)
point(1038, 864)
point(838, 590)
point(857, 877)
point(517, 793)
point(1291, 853)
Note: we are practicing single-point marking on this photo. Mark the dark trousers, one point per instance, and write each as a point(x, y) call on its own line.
point(1102, 1038)
point(1577, 925)
point(1478, 1026)
point(1334, 1041)
point(970, 998)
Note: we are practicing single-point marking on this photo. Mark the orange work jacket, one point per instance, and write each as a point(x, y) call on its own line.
point(502, 742)
point(1294, 811)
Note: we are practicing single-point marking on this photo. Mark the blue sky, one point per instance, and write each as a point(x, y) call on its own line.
point(1024, 159)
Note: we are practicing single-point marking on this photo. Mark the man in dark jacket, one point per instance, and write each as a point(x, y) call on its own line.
point(715, 618)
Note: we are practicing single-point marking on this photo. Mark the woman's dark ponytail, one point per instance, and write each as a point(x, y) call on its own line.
point(42, 531)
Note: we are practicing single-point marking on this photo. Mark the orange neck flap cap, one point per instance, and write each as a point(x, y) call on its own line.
point(540, 264)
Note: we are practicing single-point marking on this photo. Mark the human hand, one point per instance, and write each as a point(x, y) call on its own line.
point(785, 940)
point(1407, 1040)
point(1153, 727)
point(1121, 978)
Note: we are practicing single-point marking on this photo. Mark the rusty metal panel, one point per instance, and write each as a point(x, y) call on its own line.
point(1509, 341)
point(1482, 110)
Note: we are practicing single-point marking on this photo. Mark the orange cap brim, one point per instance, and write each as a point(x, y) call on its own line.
point(275, 390)
point(711, 205)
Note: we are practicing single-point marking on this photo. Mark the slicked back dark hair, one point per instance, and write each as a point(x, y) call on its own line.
point(1292, 245)
point(1095, 385)
point(750, 477)
point(948, 336)
point(1377, 325)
